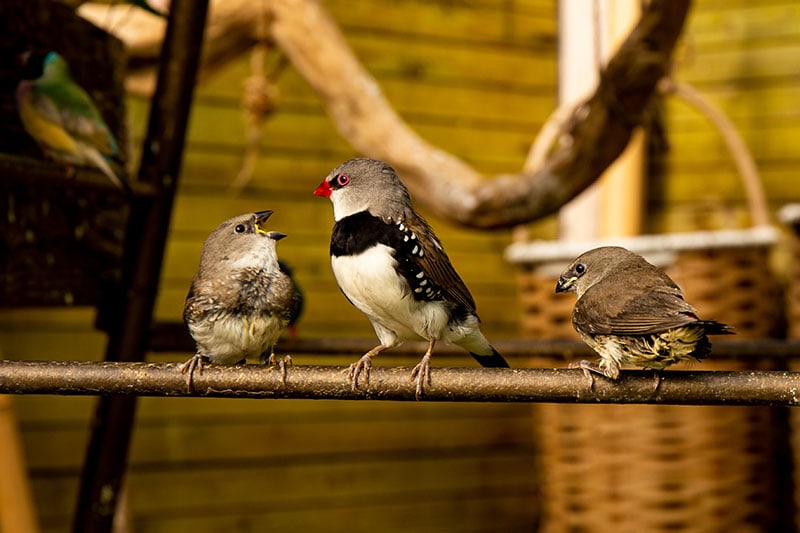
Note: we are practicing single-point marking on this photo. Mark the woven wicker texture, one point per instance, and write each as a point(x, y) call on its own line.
point(662, 468)
point(734, 286)
point(545, 314)
point(793, 332)
point(793, 287)
point(656, 468)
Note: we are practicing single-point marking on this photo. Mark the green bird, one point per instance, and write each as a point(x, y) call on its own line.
point(62, 118)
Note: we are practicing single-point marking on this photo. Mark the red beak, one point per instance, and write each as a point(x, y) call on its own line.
point(324, 189)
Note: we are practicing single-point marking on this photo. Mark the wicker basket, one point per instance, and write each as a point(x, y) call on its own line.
point(635, 468)
point(790, 216)
point(660, 468)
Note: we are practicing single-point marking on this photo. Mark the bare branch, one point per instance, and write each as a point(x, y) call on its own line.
point(597, 132)
point(448, 384)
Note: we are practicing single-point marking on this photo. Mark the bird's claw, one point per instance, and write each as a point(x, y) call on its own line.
point(281, 364)
point(188, 368)
point(362, 365)
point(657, 380)
point(421, 374)
point(284, 363)
point(589, 370)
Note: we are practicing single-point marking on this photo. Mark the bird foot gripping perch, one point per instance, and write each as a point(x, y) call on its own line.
point(281, 364)
point(354, 372)
point(188, 368)
point(421, 374)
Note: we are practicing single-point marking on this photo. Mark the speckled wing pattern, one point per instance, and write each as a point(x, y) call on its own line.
point(432, 260)
point(421, 260)
point(198, 305)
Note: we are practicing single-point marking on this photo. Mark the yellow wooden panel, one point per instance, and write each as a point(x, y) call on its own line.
point(710, 24)
point(473, 21)
point(192, 439)
point(497, 101)
point(745, 104)
point(511, 507)
point(739, 62)
point(223, 127)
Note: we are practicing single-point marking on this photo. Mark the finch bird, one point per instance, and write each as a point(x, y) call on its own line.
point(61, 117)
point(240, 300)
point(631, 313)
point(391, 266)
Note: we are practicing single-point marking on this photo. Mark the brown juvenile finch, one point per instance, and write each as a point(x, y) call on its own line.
point(240, 300)
point(631, 313)
point(390, 265)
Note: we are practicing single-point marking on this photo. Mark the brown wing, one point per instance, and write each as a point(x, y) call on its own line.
point(627, 309)
point(433, 261)
point(198, 303)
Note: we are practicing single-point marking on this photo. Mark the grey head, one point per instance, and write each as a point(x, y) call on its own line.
point(599, 264)
point(365, 184)
point(240, 242)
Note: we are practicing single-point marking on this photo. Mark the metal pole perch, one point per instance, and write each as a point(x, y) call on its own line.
point(393, 383)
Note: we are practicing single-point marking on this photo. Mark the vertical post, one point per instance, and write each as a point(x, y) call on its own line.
point(146, 235)
point(17, 512)
point(623, 181)
point(587, 38)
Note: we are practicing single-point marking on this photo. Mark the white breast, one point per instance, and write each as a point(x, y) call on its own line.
point(229, 339)
point(371, 283)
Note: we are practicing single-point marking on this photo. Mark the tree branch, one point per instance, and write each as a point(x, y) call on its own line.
point(596, 133)
point(448, 384)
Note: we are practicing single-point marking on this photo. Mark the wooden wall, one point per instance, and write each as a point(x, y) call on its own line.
point(745, 58)
point(475, 78)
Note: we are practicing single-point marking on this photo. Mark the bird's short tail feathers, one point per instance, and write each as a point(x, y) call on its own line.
point(712, 327)
point(100, 162)
point(493, 360)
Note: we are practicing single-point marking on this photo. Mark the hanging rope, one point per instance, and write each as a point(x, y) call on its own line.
point(259, 97)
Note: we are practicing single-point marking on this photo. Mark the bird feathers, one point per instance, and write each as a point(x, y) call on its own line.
point(419, 257)
point(370, 283)
point(630, 312)
point(240, 300)
point(391, 266)
point(62, 118)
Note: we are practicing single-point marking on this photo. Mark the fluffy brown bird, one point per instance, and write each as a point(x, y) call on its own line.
point(631, 313)
point(240, 300)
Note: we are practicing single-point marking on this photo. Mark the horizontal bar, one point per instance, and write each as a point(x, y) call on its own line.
point(393, 383)
point(174, 337)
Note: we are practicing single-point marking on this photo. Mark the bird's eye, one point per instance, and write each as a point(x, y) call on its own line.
point(580, 268)
point(240, 228)
point(342, 180)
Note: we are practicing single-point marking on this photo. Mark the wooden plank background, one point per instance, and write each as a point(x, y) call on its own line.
point(464, 75)
point(478, 79)
point(745, 58)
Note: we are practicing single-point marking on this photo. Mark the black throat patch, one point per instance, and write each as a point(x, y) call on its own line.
point(359, 232)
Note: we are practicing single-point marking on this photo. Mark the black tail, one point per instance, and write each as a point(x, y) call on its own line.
point(495, 360)
point(712, 327)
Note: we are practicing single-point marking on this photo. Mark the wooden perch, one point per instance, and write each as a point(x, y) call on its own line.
point(448, 384)
point(596, 133)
